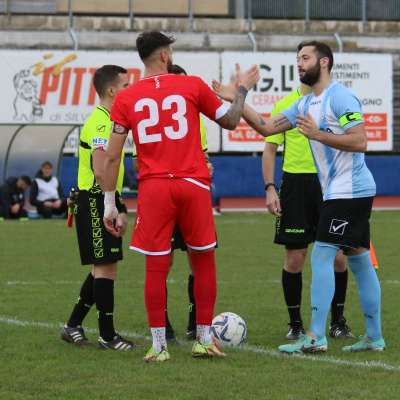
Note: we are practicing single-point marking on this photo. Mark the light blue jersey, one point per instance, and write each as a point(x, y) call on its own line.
point(342, 174)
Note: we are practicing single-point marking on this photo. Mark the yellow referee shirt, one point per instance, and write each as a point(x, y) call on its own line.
point(95, 134)
point(297, 156)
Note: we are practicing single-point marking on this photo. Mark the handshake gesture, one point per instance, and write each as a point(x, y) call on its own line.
point(246, 79)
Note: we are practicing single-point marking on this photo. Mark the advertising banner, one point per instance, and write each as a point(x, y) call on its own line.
point(54, 87)
point(369, 76)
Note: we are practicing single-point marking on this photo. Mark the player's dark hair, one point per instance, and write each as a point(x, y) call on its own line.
point(322, 50)
point(176, 69)
point(148, 42)
point(46, 164)
point(26, 179)
point(106, 75)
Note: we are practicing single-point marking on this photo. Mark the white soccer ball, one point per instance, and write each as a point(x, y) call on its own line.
point(229, 329)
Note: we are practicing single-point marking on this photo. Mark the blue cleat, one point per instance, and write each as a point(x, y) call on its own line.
point(366, 344)
point(306, 344)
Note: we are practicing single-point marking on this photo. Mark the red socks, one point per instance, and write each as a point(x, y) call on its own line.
point(154, 289)
point(205, 285)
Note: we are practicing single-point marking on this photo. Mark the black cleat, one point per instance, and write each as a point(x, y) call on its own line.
point(170, 334)
point(75, 336)
point(118, 343)
point(296, 330)
point(340, 330)
point(191, 334)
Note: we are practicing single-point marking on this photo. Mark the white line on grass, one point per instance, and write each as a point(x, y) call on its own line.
point(40, 283)
point(247, 348)
point(325, 359)
point(48, 325)
point(170, 281)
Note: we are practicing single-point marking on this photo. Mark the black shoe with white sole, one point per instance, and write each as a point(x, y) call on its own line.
point(74, 335)
point(340, 330)
point(296, 330)
point(118, 343)
point(191, 334)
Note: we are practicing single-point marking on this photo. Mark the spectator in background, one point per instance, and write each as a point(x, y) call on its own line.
point(46, 193)
point(12, 197)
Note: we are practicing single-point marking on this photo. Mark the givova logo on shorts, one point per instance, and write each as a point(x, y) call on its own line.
point(338, 227)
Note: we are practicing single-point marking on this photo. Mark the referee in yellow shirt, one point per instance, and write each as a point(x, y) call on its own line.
point(96, 245)
point(297, 210)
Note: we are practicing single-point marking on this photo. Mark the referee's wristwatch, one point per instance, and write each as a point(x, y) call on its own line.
point(268, 184)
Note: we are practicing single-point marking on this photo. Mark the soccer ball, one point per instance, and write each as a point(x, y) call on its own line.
point(229, 329)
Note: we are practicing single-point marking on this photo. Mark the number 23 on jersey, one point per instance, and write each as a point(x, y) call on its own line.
point(170, 102)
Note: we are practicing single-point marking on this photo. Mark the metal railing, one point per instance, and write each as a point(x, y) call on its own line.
point(308, 10)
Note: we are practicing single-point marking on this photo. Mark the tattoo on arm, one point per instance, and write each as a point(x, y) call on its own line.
point(232, 117)
point(280, 122)
point(261, 121)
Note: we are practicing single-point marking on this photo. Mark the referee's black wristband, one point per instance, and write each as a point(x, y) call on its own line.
point(267, 185)
point(121, 207)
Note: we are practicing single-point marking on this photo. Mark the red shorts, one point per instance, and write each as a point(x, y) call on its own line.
point(165, 203)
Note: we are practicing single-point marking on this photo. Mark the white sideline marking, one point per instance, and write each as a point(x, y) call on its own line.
point(39, 283)
point(249, 348)
point(324, 359)
point(48, 325)
point(170, 281)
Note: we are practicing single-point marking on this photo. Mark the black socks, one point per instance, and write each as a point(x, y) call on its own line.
point(292, 286)
point(84, 303)
point(104, 298)
point(192, 305)
point(337, 307)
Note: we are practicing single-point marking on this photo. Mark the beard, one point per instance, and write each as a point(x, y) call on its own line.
point(169, 63)
point(311, 76)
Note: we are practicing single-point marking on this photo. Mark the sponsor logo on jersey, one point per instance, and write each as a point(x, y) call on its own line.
point(99, 142)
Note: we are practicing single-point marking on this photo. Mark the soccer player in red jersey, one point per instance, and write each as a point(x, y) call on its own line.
point(162, 111)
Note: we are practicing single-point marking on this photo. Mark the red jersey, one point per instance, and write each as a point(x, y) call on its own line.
point(162, 112)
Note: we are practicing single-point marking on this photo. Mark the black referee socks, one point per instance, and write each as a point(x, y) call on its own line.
point(104, 298)
point(84, 303)
point(292, 286)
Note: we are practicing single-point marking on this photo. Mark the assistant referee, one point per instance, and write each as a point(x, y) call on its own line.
point(96, 245)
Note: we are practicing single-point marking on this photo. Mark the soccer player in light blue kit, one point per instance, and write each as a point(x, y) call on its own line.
point(330, 116)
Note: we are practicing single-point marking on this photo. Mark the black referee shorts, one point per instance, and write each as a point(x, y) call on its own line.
point(96, 245)
point(301, 199)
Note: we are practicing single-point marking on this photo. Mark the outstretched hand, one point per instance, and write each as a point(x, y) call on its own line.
point(226, 92)
point(247, 79)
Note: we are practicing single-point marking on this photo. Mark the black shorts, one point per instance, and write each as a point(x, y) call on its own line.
point(345, 222)
point(96, 245)
point(301, 198)
point(177, 241)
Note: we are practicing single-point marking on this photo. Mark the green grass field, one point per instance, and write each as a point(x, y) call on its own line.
point(40, 277)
